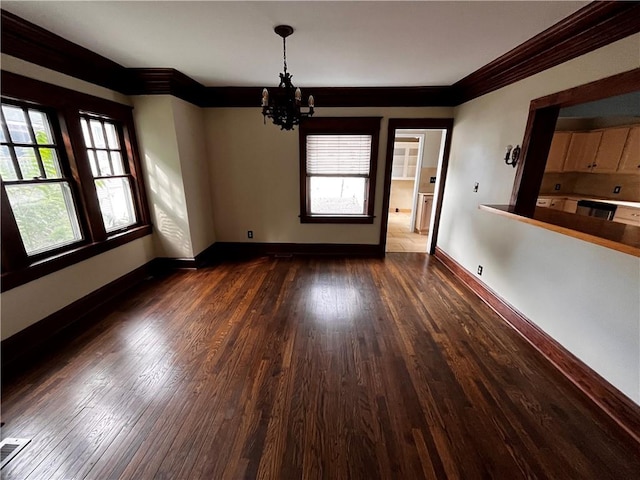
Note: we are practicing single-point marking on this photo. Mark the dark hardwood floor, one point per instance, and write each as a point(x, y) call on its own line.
point(306, 368)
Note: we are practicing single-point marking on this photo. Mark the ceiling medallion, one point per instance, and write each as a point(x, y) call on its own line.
point(283, 106)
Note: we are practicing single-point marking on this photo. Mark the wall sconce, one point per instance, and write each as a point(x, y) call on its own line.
point(512, 155)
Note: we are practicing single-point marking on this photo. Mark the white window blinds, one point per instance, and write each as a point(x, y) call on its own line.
point(338, 154)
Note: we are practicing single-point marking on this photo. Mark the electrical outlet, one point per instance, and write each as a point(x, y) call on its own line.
point(249, 233)
point(432, 179)
point(475, 187)
point(557, 187)
point(617, 189)
point(480, 270)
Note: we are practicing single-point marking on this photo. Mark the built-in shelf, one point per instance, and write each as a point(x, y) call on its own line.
point(617, 236)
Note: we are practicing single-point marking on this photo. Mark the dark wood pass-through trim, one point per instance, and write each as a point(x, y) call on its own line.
point(608, 398)
point(591, 27)
point(543, 115)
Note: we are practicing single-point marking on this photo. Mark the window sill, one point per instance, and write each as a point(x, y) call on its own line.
point(617, 236)
point(357, 219)
point(49, 265)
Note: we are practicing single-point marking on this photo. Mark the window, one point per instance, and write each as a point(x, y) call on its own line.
point(338, 159)
point(70, 178)
point(37, 188)
point(113, 184)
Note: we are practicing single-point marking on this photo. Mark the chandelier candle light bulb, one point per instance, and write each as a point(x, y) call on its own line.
point(284, 106)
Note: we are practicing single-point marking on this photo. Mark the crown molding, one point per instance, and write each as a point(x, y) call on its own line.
point(30, 42)
point(591, 27)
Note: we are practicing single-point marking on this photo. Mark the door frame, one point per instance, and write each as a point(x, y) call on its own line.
point(416, 183)
point(445, 124)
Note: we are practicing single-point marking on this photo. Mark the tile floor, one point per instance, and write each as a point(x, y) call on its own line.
point(400, 238)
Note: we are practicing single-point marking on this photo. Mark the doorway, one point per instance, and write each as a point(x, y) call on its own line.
point(416, 164)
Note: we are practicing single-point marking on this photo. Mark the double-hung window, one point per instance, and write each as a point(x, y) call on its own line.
point(70, 178)
point(338, 169)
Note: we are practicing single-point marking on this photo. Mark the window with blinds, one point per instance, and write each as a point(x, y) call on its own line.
point(337, 167)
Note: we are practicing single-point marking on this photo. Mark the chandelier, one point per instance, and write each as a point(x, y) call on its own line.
point(284, 105)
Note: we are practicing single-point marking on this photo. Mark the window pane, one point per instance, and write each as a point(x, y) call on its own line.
point(3, 138)
point(85, 133)
point(41, 127)
point(50, 162)
point(103, 163)
point(45, 215)
point(337, 195)
point(116, 160)
point(28, 163)
point(96, 131)
point(92, 162)
point(112, 137)
point(7, 170)
point(17, 124)
point(116, 203)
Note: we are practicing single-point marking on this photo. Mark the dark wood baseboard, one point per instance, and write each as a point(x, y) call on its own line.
point(608, 398)
point(21, 349)
point(225, 250)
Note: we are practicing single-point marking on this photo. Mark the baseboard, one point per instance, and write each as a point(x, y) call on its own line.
point(164, 265)
point(226, 250)
point(607, 397)
point(21, 348)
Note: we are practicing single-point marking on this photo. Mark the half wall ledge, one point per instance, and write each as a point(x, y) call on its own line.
point(617, 236)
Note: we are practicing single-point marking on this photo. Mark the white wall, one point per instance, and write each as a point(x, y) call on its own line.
point(585, 296)
point(176, 169)
point(25, 305)
point(190, 134)
point(255, 176)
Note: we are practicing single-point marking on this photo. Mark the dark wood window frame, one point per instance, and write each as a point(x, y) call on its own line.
point(66, 107)
point(543, 115)
point(339, 126)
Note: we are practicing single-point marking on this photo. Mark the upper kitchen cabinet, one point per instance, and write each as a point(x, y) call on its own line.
point(610, 150)
point(630, 161)
point(582, 151)
point(558, 151)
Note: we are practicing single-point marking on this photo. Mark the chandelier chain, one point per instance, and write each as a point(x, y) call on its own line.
point(284, 51)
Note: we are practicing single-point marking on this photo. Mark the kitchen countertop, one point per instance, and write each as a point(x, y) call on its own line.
point(583, 197)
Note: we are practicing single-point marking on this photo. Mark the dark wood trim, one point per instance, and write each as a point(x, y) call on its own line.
point(619, 84)
point(227, 250)
point(541, 125)
point(30, 42)
point(608, 398)
point(543, 114)
point(21, 349)
point(440, 96)
point(419, 124)
point(593, 26)
point(355, 219)
point(169, 81)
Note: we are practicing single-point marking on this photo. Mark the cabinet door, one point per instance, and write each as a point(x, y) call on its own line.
point(610, 150)
point(630, 161)
point(630, 216)
point(570, 205)
point(558, 151)
point(582, 151)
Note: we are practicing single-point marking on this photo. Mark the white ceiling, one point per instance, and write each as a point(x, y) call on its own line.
point(336, 44)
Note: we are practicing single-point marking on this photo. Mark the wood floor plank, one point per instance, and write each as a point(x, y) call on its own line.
point(317, 368)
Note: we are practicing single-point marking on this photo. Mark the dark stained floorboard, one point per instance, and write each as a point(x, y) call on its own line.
point(306, 368)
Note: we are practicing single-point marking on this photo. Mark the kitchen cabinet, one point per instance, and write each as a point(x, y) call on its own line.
point(405, 160)
point(610, 150)
point(557, 203)
point(570, 205)
point(628, 215)
point(630, 159)
point(558, 151)
point(423, 214)
point(582, 151)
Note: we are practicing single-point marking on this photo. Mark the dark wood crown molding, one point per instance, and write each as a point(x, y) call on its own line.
point(591, 27)
point(30, 42)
